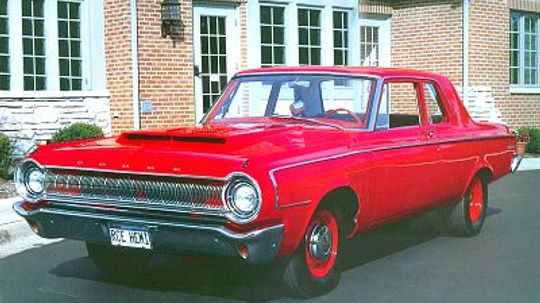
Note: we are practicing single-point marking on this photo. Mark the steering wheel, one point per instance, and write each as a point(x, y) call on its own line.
point(331, 112)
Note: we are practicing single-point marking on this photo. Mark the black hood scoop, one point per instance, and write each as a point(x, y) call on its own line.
point(160, 137)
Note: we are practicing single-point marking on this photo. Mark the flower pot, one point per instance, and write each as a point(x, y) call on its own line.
point(521, 147)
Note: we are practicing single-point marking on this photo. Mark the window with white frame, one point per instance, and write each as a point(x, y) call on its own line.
point(33, 29)
point(524, 46)
point(272, 35)
point(69, 45)
point(309, 36)
point(341, 37)
point(314, 32)
point(58, 45)
point(369, 45)
point(4, 46)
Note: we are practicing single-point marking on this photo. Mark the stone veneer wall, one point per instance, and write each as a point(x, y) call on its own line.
point(30, 121)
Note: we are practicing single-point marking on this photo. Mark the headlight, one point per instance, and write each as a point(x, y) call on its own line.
point(30, 180)
point(242, 197)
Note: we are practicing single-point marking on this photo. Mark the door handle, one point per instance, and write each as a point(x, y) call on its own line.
point(196, 71)
point(430, 134)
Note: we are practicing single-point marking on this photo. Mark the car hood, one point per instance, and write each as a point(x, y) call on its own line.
point(213, 150)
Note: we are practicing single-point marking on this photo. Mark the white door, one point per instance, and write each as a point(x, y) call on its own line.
point(375, 42)
point(375, 51)
point(216, 53)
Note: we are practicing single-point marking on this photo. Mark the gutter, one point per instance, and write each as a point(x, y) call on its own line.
point(135, 66)
point(465, 51)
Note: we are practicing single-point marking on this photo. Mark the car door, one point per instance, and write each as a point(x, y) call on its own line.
point(443, 132)
point(403, 159)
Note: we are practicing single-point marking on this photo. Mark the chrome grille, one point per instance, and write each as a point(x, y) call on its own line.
point(183, 195)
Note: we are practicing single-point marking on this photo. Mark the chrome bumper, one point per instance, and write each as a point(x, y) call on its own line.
point(516, 161)
point(167, 237)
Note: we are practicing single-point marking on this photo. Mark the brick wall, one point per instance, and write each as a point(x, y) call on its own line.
point(166, 66)
point(243, 36)
point(488, 53)
point(118, 62)
point(426, 35)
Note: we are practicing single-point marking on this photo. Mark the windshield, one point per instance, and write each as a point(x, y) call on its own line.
point(329, 100)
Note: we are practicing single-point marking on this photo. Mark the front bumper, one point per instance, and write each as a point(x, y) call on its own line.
point(167, 237)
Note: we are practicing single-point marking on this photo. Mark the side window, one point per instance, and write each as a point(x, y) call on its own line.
point(434, 109)
point(399, 106)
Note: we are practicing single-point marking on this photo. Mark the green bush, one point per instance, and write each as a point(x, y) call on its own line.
point(77, 131)
point(534, 143)
point(5, 156)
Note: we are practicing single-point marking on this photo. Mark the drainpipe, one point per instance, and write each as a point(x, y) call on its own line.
point(465, 51)
point(135, 65)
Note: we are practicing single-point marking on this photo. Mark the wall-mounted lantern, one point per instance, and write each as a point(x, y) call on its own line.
point(171, 22)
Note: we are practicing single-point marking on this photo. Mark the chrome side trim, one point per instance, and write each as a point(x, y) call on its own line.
point(296, 204)
point(273, 171)
point(17, 207)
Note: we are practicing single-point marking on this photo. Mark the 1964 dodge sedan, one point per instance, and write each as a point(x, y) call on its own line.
point(287, 165)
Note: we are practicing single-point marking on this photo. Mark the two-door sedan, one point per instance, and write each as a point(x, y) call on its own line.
point(287, 165)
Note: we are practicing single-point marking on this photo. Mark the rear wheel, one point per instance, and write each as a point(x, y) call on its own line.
point(467, 217)
point(115, 261)
point(312, 270)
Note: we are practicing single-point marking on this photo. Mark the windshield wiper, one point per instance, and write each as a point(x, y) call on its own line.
point(310, 120)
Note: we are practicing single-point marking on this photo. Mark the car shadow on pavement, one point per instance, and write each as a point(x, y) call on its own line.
point(224, 278)
point(393, 238)
point(205, 276)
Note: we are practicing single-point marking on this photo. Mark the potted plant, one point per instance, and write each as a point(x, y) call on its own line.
point(522, 139)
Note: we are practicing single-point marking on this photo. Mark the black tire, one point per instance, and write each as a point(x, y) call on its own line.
point(298, 277)
point(464, 220)
point(118, 261)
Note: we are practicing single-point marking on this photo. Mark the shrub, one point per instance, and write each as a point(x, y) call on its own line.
point(5, 156)
point(534, 142)
point(77, 131)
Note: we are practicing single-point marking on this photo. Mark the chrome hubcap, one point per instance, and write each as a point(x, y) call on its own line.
point(320, 242)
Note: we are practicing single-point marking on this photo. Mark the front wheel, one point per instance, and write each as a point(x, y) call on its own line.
point(467, 217)
point(312, 270)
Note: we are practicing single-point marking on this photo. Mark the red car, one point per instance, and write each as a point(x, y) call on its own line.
point(287, 165)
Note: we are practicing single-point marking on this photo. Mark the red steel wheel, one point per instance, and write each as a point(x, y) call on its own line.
point(467, 217)
point(312, 270)
point(476, 200)
point(321, 244)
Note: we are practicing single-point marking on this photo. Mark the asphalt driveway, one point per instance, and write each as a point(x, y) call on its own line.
point(393, 264)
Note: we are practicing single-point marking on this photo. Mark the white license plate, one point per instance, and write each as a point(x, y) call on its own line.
point(130, 238)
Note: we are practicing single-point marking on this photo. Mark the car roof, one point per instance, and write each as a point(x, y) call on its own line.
point(352, 70)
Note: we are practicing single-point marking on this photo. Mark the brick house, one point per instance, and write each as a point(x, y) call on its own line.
point(63, 61)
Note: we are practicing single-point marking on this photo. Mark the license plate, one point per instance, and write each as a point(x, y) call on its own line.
point(130, 237)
